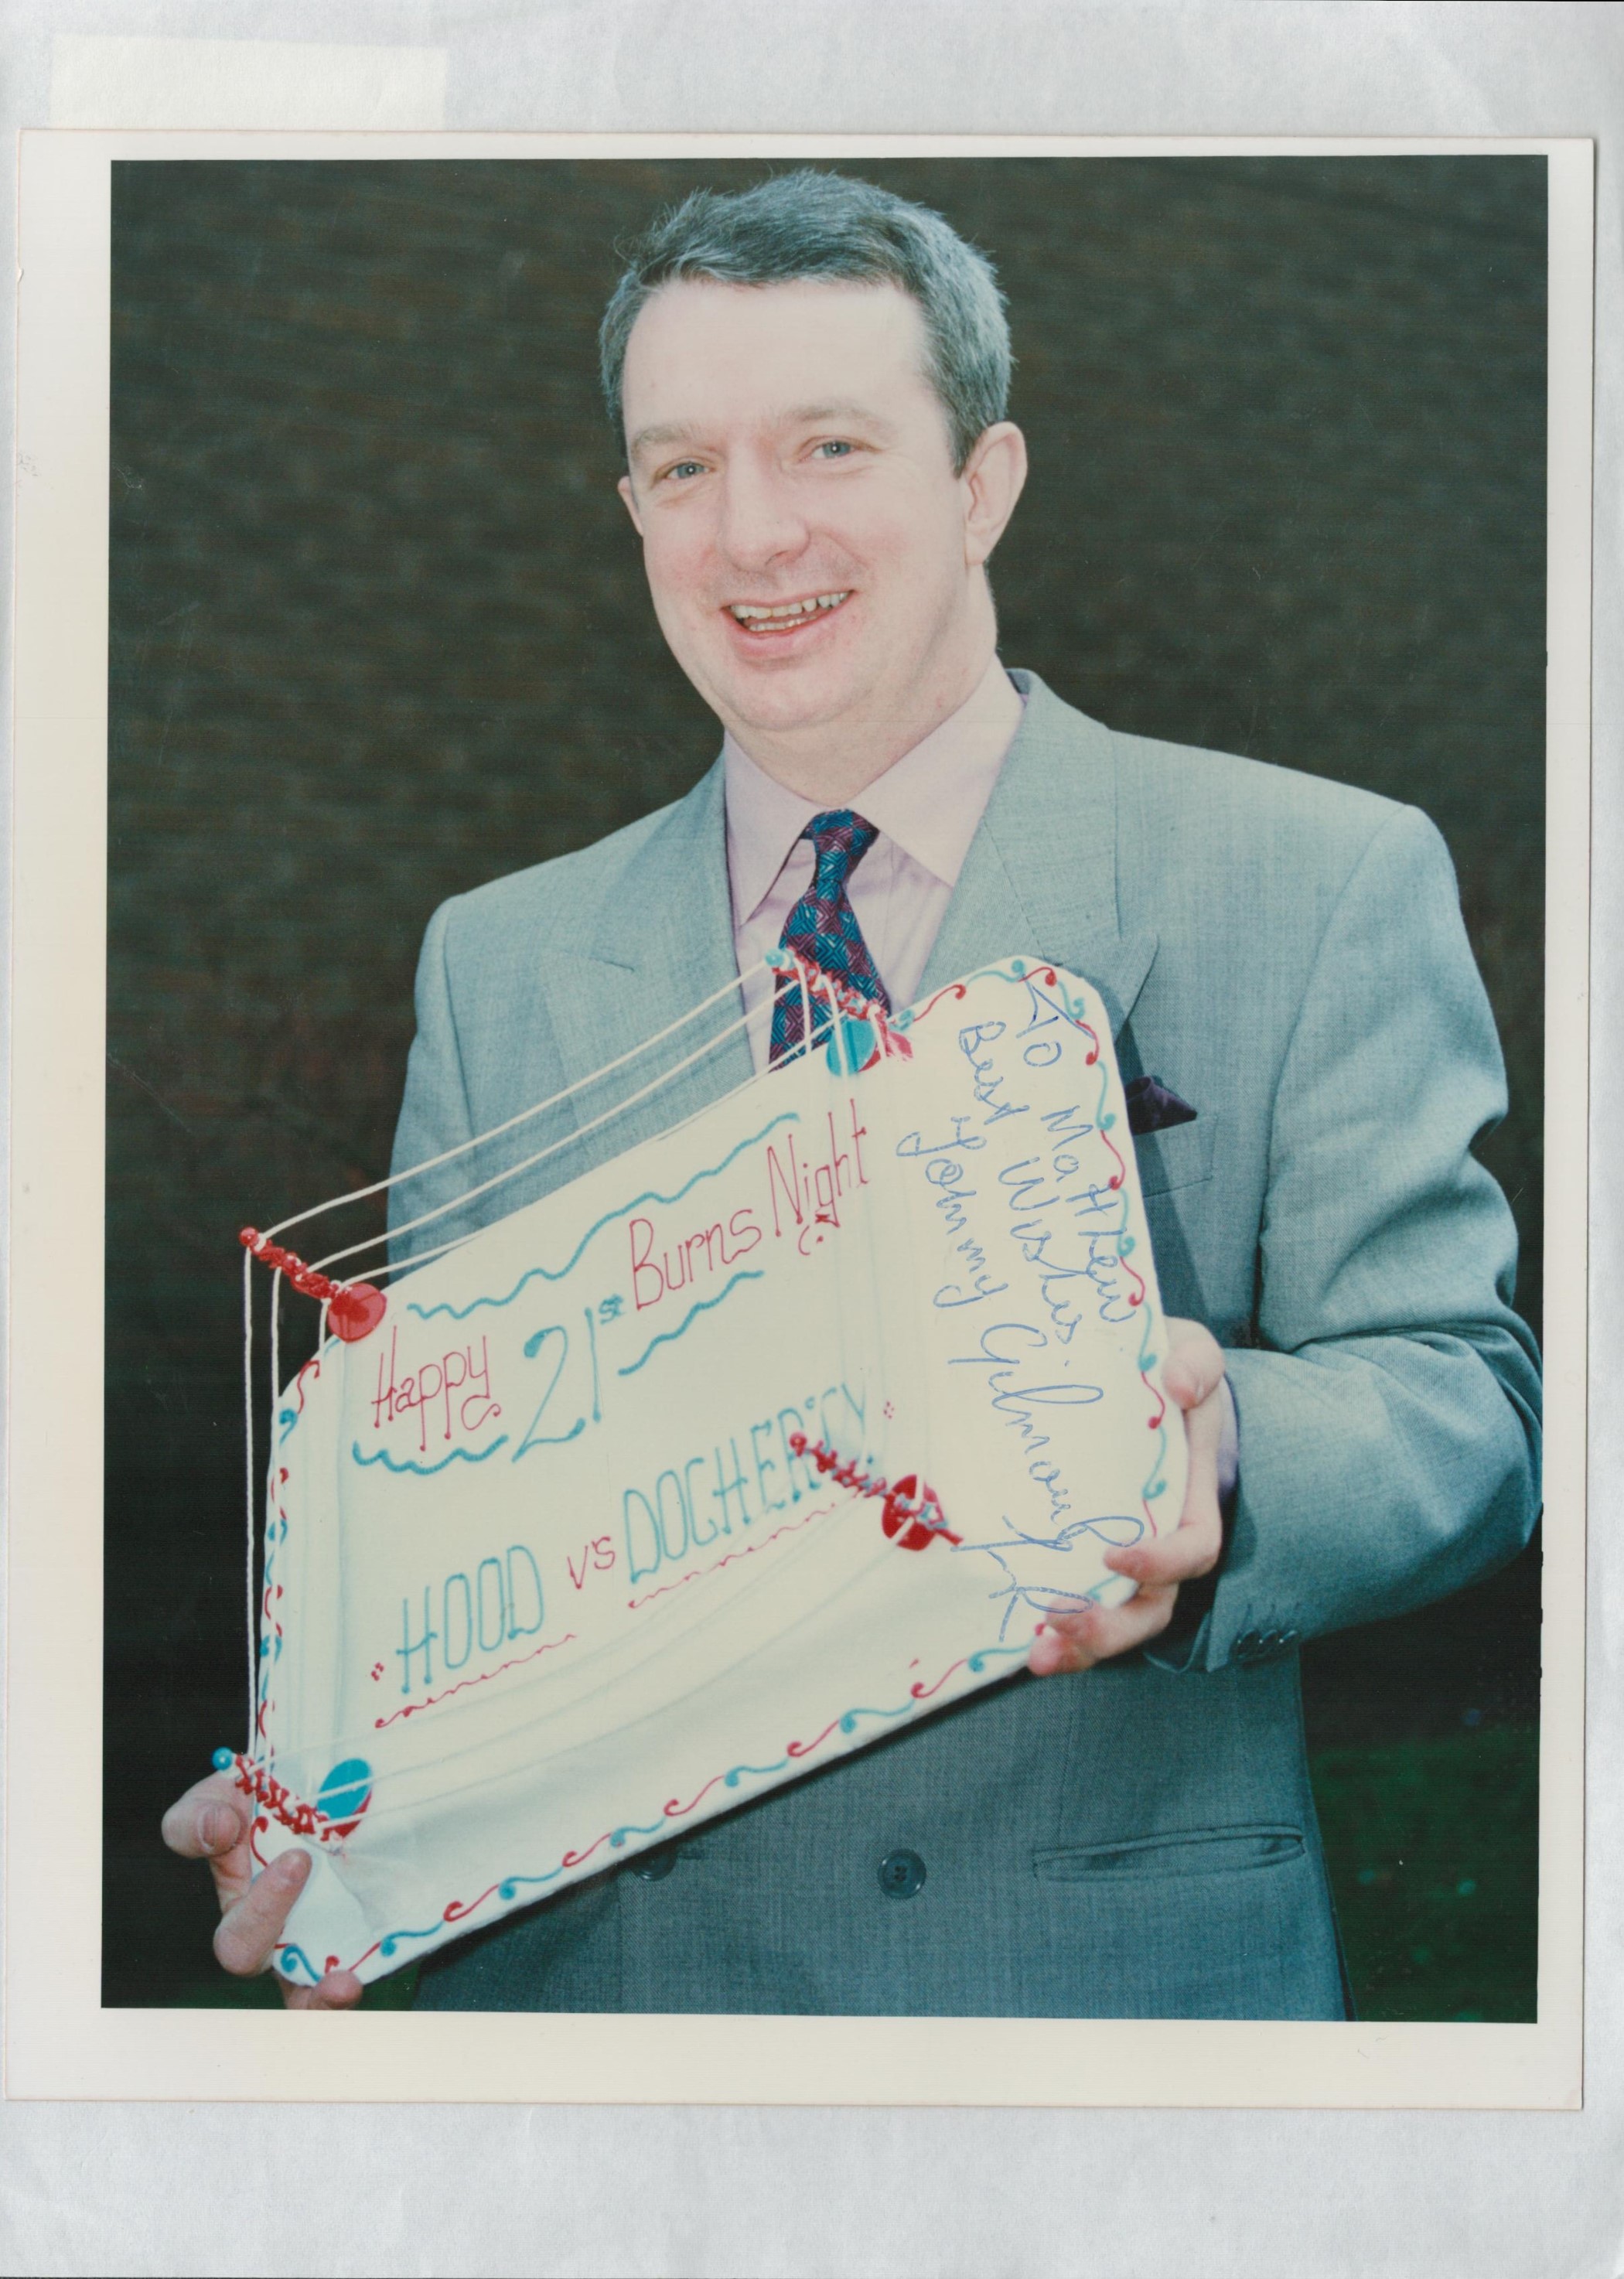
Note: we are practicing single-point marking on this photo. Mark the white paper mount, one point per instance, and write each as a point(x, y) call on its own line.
point(745, 1449)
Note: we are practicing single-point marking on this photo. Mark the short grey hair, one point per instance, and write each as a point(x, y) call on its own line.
point(814, 225)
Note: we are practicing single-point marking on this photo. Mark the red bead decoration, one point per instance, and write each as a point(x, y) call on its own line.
point(355, 1308)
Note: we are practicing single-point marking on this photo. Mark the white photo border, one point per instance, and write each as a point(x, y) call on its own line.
point(59, 2042)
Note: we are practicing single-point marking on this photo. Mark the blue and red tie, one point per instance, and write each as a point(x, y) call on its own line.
point(822, 929)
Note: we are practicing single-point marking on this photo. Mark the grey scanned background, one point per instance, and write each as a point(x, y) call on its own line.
point(162, 2189)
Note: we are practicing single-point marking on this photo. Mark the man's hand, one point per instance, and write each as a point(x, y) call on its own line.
point(211, 1821)
point(1193, 1376)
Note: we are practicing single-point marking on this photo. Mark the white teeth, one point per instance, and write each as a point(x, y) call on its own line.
point(747, 614)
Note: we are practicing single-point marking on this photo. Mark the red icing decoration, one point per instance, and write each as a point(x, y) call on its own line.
point(356, 1311)
point(354, 1307)
point(904, 1525)
point(912, 1527)
point(281, 1803)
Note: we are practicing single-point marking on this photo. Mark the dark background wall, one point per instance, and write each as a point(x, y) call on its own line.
point(378, 631)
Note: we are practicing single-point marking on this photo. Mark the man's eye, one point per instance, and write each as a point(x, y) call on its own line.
point(832, 450)
point(686, 467)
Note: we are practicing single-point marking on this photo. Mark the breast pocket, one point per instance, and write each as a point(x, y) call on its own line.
point(1181, 1156)
point(1186, 1852)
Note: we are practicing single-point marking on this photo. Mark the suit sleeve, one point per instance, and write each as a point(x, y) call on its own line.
point(434, 1112)
point(1389, 1413)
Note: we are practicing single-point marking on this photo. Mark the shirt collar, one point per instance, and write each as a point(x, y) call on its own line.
point(929, 802)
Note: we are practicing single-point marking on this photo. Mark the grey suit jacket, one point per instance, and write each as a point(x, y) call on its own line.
point(1288, 954)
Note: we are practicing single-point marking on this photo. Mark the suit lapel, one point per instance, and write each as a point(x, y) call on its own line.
point(1040, 876)
point(664, 946)
point(1039, 881)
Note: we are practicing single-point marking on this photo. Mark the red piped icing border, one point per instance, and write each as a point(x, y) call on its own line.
point(413, 1708)
point(279, 1801)
point(702, 1574)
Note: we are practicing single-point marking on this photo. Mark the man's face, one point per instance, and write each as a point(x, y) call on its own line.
point(813, 557)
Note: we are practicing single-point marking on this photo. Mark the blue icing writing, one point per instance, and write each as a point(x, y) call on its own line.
point(939, 1160)
point(563, 1386)
point(986, 1080)
point(1111, 1277)
point(914, 1144)
point(1120, 1530)
point(482, 1612)
point(730, 1487)
point(1000, 1355)
point(1033, 1237)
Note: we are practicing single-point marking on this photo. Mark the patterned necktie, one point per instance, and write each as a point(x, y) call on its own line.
point(822, 928)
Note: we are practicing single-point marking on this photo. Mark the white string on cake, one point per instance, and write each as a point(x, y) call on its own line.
point(415, 1170)
point(554, 1100)
point(248, 1437)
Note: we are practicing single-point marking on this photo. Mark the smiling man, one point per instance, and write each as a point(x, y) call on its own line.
point(817, 579)
point(810, 380)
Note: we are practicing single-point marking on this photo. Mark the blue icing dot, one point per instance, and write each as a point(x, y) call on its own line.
point(346, 1789)
point(222, 1760)
point(850, 1045)
point(1126, 1245)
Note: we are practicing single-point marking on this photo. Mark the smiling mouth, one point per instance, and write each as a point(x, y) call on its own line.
point(773, 619)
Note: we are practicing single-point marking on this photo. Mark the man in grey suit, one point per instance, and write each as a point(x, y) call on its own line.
point(811, 378)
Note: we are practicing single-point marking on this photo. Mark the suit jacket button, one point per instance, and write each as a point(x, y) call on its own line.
point(902, 1873)
point(654, 1865)
point(1246, 1646)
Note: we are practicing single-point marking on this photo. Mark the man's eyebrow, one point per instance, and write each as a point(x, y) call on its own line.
point(842, 407)
point(795, 415)
point(651, 438)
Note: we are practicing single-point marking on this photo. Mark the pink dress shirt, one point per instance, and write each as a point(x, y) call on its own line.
point(926, 807)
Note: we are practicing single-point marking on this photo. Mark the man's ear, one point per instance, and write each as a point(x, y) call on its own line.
point(993, 479)
point(624, 487)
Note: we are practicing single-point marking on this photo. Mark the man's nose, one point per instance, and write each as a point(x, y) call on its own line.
point(762, 520)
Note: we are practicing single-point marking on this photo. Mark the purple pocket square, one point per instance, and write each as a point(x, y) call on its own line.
point(1151, 1106)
